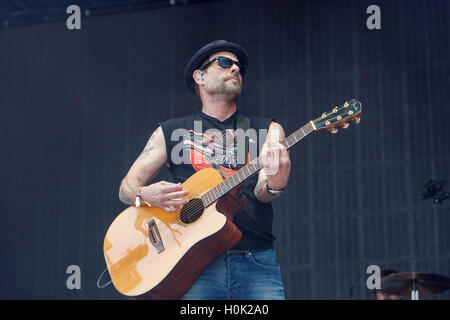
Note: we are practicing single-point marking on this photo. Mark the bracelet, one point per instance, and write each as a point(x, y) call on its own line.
point(139, 200)
point(272, 192)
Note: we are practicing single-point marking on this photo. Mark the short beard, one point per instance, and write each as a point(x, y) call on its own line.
point(223, 87)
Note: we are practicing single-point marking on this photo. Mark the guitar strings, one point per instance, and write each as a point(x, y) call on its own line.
point(163, 227)
point(193, 208)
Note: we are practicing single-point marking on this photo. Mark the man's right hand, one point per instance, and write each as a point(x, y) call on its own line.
point(165, 195)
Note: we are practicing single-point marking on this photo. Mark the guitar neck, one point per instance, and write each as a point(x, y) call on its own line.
point(252, 168)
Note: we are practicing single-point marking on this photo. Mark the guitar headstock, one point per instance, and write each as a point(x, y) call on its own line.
point(339, 116)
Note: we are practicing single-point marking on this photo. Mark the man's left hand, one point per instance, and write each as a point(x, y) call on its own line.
point(276, 165)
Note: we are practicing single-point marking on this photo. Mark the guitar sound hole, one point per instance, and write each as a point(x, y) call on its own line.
point(191, 211)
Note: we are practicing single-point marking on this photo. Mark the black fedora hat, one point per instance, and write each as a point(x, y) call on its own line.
point(201, 55)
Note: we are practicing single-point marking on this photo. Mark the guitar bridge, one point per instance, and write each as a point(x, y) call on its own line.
point(154, 236)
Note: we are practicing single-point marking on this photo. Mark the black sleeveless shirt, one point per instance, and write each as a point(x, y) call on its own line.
point(192, 143)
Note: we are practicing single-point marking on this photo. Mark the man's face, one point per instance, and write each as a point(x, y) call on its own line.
point(219, 81)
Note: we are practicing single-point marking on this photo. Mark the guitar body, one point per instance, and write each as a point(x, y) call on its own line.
point(152, 254)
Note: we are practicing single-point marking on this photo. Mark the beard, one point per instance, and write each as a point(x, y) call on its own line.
point(224, 87)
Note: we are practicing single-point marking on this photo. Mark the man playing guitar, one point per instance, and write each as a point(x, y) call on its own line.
point(215, 73)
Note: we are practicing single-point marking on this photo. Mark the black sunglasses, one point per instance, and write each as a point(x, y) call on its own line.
point(224, 62)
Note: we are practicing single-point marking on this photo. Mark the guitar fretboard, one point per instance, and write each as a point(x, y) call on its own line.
point(251, 168)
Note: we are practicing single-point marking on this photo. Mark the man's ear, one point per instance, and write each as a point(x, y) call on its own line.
point(198, 76)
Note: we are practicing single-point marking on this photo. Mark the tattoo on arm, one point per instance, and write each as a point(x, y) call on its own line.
point(146, 151)
point(260, 187)
point(148, 146)
point(123, 197)
point(129, 186)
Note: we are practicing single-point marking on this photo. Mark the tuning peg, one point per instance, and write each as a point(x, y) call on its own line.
point(357, 120)
point(334, 130)
point(345, 125)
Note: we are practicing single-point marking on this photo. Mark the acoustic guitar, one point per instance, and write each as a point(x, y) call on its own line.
point(153, 254)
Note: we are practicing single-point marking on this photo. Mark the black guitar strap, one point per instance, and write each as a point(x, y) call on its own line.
point(243, 123)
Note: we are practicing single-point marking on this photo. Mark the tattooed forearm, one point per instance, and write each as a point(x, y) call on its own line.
point(123, 197)
point(259, 190)
point(129, 186)
point(148, 146)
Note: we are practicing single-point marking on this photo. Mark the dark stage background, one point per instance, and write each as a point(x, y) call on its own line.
point(77, 108)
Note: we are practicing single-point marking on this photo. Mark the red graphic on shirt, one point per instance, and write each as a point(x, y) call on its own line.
point(218, 151)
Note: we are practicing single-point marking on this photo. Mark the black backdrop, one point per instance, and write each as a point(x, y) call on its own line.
point(77, 107)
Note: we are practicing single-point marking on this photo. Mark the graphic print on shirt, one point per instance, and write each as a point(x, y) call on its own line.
point(218, 150)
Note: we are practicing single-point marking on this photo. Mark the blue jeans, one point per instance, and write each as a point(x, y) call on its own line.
point(240, 275)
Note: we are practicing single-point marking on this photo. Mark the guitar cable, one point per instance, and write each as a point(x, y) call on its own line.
point(98, 281)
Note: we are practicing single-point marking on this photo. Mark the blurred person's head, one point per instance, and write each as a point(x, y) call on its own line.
point(380, 295)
